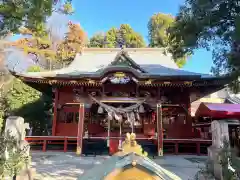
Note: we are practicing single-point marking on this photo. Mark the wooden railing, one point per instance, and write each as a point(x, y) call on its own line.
point(175, 144)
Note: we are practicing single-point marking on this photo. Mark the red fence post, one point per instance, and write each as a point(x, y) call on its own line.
point(198, 148)
point(176, 147)
point(65, 144)
point(44, 148)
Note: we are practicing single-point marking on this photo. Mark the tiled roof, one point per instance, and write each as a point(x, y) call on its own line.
point(218, 110)
point(94, 59)
point(116, 162)
point(152, 60)
point(165, 71)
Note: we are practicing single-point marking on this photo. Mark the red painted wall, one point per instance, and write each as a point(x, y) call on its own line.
point(175, 130)
point(66, 129)
point(66, 95)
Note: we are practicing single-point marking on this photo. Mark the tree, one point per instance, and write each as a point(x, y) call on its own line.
point(4, 74)
point(123, 36)
point(38, 48)
point(21, 95)
point(157, 30)
point(127, 37)
point(74, 41)
point(97, 40)
point(13, 157)
point(111, 38)
point(51, 53)
point(5, 80)
point(29, 13)
point(34, 69)
point(210, 24)
point(2, 113)
point(159, 36)
point(3, 110)
point(35, 107)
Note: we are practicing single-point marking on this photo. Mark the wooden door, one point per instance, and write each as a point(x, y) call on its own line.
point(67, 124)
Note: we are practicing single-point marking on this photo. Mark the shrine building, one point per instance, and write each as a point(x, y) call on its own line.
point(106, 92)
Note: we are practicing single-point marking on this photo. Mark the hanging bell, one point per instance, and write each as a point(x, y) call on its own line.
point(141, 109)
point(132, 115)
point(118, 117)
point(100, 110)
point(128, 118)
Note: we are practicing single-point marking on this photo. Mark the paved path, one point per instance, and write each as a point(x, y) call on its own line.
point(67, 166)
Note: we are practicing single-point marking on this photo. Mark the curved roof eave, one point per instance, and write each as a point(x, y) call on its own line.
point(165, 73)
point(120, 162)
point(160, 67)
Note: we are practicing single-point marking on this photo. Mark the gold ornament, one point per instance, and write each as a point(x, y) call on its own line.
point(134, 163)
point(148, 82)
point(119, 75)
point(130, 145)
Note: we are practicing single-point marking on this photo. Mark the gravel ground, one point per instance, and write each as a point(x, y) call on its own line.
point(67, 166)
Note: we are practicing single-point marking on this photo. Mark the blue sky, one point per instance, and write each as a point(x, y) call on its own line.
point(100, 15)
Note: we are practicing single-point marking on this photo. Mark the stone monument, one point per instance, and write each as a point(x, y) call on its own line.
point(16, 127)
point(220, 133)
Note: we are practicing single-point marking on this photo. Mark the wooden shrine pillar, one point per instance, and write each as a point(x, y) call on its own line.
point(189, 109)
point(55, 115)
point(159, 130)
point(80, 128)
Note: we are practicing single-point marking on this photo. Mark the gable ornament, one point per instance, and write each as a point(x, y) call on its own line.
point(130, 145)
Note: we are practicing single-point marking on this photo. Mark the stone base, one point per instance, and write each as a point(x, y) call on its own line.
point(213, 155)
point(26, 174)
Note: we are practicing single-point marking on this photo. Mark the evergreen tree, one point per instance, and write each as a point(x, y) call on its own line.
point(159, 35)
point(213, 25)
point(35, 107)
point(118, 37)
point(29, 13)
point(13, 158)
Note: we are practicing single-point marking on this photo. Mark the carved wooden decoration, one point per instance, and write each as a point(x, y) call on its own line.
point(119, 78)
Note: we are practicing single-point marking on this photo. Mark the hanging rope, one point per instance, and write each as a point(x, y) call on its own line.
point(131, 112)
point(121, 110)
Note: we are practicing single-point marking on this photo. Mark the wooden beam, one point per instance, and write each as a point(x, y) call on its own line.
point(80, 128)
point(159, 130)
point(55, 115)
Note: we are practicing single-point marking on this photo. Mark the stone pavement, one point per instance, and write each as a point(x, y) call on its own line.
point(67, 166)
